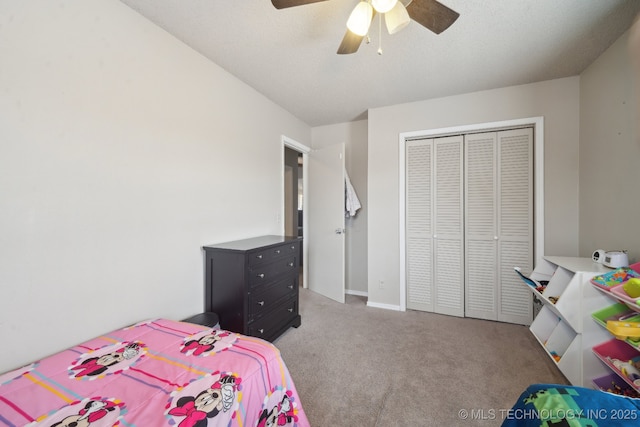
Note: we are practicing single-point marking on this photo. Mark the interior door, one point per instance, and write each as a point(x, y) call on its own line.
point(325, 232)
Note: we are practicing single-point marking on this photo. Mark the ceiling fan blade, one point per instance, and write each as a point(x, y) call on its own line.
point(350, 43)
point(283, 4)
point(431, 14)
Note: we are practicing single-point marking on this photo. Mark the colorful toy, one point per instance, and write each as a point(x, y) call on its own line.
point(632, 287)
point(608, 280)
point(624, 330)
point(555, 356)
point(623, 391)
point(627, 369)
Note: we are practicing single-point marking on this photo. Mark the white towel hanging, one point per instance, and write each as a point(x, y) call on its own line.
point(351, 202)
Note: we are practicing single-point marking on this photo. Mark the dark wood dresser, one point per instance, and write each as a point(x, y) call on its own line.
point(252, 285)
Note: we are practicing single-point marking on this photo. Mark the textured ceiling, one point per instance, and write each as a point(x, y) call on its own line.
point(289, 55)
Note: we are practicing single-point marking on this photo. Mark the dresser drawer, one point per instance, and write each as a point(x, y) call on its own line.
point(266, 299)
point(269, 254)
point(264, 273)
point(268, 327)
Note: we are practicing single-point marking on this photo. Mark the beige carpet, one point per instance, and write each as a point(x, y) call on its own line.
point(359, 366)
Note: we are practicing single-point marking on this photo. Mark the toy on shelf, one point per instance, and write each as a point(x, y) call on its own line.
point(622, 295)
point(624, 330)
point(612, 384)
point(614, 278)
point(618, 311)
point(632, 287)
point(628, 369)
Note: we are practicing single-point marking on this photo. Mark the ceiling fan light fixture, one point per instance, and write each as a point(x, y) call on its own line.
point(383, 6)
point(397, 18)
point(360, 18)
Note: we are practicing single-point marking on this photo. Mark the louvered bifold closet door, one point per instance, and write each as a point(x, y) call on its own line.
point(515, 223)
point(434, 225)
point(419, 230)
point(481, 239)
point(448, 230)
point(498, 224)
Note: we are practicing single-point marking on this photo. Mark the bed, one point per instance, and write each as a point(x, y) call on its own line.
point(155, 373)
point(563, 405)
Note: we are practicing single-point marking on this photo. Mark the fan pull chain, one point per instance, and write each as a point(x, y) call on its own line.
point(380, 34)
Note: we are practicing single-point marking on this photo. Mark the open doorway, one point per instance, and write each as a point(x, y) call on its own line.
point(294, 199)
point(294, 214)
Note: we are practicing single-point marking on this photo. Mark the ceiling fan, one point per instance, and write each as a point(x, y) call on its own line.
point(431, 14)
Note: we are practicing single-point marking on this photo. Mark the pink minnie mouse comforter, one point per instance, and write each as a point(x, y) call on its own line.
point(155, 373)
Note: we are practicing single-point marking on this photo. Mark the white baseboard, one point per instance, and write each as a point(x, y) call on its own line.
point(385, 306)
point(372, 304)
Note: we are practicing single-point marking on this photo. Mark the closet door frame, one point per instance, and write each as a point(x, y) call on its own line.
point(538, 197)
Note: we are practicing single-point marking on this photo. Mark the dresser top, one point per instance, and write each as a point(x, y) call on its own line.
point(253, 243)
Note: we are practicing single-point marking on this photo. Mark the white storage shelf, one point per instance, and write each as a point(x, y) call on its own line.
point(563, 326)
point(615, 348)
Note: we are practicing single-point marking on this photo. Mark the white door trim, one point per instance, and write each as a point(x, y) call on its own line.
point(301, 148)
point(538, 196)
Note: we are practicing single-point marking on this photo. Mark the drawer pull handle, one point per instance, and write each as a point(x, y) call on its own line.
point(293, 247)
point(277, 251)
point(290, 310)
point(260, 302)
point(261, 330)
point(261, 275)
point(290, 286)
point(259, 256)
point(290, 264)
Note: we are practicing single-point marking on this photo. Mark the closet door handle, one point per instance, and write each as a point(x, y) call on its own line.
point(290, 310)
point(261, 275)
point(261, 330)
point(260, 303)
point(290, 264)
point(259, 256)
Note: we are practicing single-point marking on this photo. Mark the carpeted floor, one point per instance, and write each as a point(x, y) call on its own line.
point(355, 365)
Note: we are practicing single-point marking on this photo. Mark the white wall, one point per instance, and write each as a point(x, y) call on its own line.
point(610, 151)
point(122, 153)
point(354, 135)
point(557, 101)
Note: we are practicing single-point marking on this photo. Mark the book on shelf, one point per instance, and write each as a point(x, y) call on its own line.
point(538, 285)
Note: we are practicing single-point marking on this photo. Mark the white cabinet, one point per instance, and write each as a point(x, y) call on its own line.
point(564, 326)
